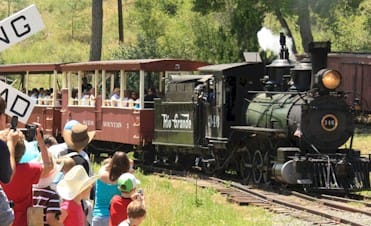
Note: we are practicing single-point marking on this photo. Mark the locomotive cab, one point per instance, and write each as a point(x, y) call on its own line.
point(178, 116)
point(233, 83)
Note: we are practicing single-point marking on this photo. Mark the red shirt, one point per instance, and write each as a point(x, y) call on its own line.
point(117, 210)
point(19, 190)
point(75, 214)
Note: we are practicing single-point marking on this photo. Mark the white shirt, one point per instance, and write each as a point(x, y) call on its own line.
point(59, 150)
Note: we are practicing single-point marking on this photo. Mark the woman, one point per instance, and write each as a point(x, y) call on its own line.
point(106, 186)
point(19, 190)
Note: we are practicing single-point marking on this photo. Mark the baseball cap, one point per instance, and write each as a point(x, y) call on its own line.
point(70, 124)
point(127, 182)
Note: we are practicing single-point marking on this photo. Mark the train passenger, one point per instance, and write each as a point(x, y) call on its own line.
point(148, 99)
point(106, 186)
point(34, 94)
point(41, 92)
point(85, 86)
point(73, 189)
point(7, 167)
point(136, 212)
point(125, 100)
point(88, 98)
point(46, 198)
point(132, 102)
point(115, 97)
point(19, 190)
point(43, 96)
point(127, 183)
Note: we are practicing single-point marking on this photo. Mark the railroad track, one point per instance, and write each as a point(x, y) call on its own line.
point(313, 210)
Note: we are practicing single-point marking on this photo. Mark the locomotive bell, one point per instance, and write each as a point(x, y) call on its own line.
point(277, 71)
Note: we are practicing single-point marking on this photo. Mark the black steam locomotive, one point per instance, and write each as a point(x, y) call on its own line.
point(287, 126)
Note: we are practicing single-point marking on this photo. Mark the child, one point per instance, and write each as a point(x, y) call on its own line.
point(127, 184)
point(73, 188)
point(136, 214)
point(46, 198)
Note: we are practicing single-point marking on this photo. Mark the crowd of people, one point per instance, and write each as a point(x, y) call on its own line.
point(42, 96)
point(130, 98)
point(56, 186)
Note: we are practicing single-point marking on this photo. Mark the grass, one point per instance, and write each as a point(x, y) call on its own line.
point(176, 203)
point(361, 140)
point(172, 202)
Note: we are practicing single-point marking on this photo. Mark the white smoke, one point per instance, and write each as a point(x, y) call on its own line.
point(269, 41)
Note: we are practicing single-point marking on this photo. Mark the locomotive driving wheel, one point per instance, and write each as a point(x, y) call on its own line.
point(210, 163)
point(257, 167)
point(245, 164)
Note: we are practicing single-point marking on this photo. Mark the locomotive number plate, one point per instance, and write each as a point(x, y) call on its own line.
point(329, 122)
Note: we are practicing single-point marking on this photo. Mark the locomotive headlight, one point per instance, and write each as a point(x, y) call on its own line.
point(331, 79)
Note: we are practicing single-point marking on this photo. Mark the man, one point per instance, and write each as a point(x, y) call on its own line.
point(59, 150)
point(7, 167)
point(85, 85)
point(149, 98)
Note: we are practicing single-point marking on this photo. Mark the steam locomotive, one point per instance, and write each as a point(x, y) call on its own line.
point(287, 126)
point(285, 122)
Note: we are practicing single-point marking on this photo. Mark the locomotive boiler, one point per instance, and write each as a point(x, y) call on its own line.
point(286, 127)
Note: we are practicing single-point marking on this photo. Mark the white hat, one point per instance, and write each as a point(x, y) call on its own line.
point(47, 180)
point(75, 181)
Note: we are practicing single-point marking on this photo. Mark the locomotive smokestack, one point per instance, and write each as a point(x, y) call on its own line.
point(318, 52)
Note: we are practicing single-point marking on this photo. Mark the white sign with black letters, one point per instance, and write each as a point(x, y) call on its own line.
point(20, 26)
point(17, 103)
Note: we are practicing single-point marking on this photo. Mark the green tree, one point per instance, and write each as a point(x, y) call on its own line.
point(311, 14)
point(149, 21)
point(237, 22)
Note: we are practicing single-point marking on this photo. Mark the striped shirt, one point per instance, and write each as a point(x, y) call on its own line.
point(47, 199)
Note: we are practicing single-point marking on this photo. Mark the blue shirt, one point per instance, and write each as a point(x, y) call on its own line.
point(32, 152)
point(103, 195)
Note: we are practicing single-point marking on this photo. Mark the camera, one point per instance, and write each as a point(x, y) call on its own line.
point(30, 132)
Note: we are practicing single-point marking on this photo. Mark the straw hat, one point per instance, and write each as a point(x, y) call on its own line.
point(127, 182)
point(75, 181)
point(78, 137)
point(48, 179)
